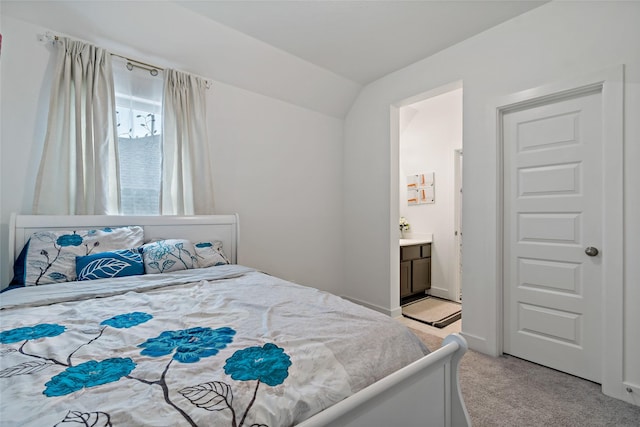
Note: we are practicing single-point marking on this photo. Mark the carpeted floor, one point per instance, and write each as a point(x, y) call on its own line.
point(508, 392)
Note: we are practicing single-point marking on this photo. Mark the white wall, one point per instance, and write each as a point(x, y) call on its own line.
point(277, 164)
point(427, 144)
point(551, 43)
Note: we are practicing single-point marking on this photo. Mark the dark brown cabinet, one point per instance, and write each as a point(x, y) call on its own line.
point(415, 270)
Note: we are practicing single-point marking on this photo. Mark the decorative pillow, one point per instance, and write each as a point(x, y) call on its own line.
point(51, 256)
point(169, 255)
point(210, 253)
point(20, 267)
point(105, 265)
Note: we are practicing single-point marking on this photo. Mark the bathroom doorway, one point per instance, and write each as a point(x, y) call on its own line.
point(429, 183)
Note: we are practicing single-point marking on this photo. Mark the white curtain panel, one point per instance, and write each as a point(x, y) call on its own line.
point(78, 172)
point(187, 187)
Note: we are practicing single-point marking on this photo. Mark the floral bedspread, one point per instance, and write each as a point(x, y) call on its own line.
point(240, 348)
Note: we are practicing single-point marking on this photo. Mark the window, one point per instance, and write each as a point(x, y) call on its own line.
point(153, 160)
point(139, 121)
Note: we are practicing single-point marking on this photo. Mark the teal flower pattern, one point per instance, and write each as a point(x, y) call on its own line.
point(159, 251)
point(268, 364)
point(168, 255)
point(190, 345)
point(42, 330)
point(127, 320)
point(69, 240)
point(60, 247)
point(88, 374)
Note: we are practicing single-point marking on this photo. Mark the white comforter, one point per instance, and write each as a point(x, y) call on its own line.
point(222, 346)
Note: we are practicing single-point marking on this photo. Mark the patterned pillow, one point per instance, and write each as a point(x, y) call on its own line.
point(51, 256)
point(210, 253)
point(169, 255)
point(104, 265)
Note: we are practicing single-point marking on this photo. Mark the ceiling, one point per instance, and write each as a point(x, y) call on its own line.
point(360, 40)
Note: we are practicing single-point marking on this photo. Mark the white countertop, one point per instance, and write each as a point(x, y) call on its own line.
point(409, 242)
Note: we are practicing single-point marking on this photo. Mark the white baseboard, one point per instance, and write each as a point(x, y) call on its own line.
point(439, 292)
point(629, 392)
point(397, 312)
point(478, 344)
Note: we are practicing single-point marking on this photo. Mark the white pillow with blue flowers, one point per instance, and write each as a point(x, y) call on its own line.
point(164, 256)
point(210, 254)
point(51, 255)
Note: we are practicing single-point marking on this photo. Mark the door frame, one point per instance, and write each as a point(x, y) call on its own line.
point(611, 84)
point(394, 189)
point(457, 203)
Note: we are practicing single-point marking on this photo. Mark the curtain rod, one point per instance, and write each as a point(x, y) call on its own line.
point(153, 70)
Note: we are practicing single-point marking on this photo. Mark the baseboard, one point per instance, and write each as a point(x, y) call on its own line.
point(396, 312)
point(478, 344)
point(629, 392)
point(439, 292)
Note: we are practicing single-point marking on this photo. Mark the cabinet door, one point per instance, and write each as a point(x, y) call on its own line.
point(405, 278)
point(421, 274)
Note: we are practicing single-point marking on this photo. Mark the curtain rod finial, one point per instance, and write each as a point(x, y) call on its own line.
point(47, 37)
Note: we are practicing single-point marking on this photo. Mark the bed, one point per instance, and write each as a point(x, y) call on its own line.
point(210, 343)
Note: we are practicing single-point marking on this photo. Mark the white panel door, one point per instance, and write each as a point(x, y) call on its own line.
point(553, 213)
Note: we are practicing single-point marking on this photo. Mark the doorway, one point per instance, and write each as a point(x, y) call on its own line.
point(430, 144)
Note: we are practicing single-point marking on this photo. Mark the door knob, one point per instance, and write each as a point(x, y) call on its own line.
point(591, 251)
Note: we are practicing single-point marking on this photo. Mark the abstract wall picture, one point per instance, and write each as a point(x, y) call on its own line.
point(420, 188)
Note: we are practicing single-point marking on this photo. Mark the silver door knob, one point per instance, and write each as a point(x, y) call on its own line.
point(591, 251)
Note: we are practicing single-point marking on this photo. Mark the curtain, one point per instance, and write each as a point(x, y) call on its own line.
point(187, 186)
point(78, 171)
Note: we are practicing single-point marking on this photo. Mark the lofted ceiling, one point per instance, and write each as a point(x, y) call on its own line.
point(317, 54)
point(360, 40)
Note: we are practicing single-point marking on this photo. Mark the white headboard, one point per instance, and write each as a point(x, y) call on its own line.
point(195, 228)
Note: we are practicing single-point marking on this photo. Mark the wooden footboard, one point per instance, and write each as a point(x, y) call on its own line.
point(425, 393)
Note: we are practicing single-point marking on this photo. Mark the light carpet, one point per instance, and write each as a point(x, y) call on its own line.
point(433, 311)
point(507, 391)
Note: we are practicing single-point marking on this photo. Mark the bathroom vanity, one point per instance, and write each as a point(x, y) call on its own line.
point(415, 267)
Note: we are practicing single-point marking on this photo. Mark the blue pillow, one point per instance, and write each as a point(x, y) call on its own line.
point(105, 265)
point(20, 267)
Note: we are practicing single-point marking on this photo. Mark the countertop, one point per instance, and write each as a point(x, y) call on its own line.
point(409, 242)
